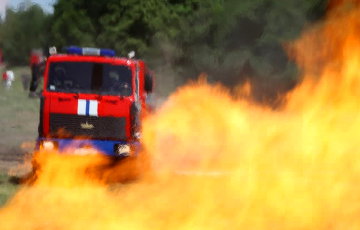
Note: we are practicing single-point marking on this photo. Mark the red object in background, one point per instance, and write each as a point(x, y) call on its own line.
point(104, 117)
point(108, 105)
point(34, 59)
point(60, 102)
point(4, 76)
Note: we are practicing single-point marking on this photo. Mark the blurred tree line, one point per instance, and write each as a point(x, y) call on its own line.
point(229, 40)
point(21, 31)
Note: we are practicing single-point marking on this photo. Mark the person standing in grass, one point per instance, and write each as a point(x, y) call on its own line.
point(4, 78)
point(8, 77)
point(34, 65)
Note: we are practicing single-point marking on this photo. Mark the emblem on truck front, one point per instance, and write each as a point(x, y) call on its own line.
point(86, 125)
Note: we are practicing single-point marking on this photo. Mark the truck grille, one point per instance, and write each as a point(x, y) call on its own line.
point(71, 125)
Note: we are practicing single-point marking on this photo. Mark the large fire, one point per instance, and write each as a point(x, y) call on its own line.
point(220, 162)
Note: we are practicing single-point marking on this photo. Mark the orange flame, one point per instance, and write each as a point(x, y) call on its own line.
point(220, 162)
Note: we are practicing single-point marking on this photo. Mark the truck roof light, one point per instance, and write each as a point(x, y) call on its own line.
point(89, 51)
point(107, 52)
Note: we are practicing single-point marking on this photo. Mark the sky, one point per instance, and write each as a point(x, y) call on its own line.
point(45, 4)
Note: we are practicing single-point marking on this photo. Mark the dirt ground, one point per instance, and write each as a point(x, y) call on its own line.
point(10, 159)
point(15, 161)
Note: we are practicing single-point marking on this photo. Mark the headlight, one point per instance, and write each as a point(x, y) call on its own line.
point(48, 145)
point(122, 149)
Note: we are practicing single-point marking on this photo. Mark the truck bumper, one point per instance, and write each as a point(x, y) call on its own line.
point(80, 147)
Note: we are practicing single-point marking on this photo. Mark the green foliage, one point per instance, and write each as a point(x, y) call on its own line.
point(22, 31)
point(230, 40)
point(123, 25)
point(233, 41)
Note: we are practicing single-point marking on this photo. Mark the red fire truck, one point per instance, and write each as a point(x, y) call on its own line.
point(91, 98)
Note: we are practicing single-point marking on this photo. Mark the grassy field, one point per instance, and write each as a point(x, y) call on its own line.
point(7, 188)
point(18, 129)
point(18, 115)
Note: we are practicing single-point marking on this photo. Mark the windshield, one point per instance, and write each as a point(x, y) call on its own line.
point(90, 77)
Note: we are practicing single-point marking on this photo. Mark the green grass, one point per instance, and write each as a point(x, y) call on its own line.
point(18, 125)
point(18, 114)
point(7, 189)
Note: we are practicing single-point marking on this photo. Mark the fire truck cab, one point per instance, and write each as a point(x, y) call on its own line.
point(91, 98)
